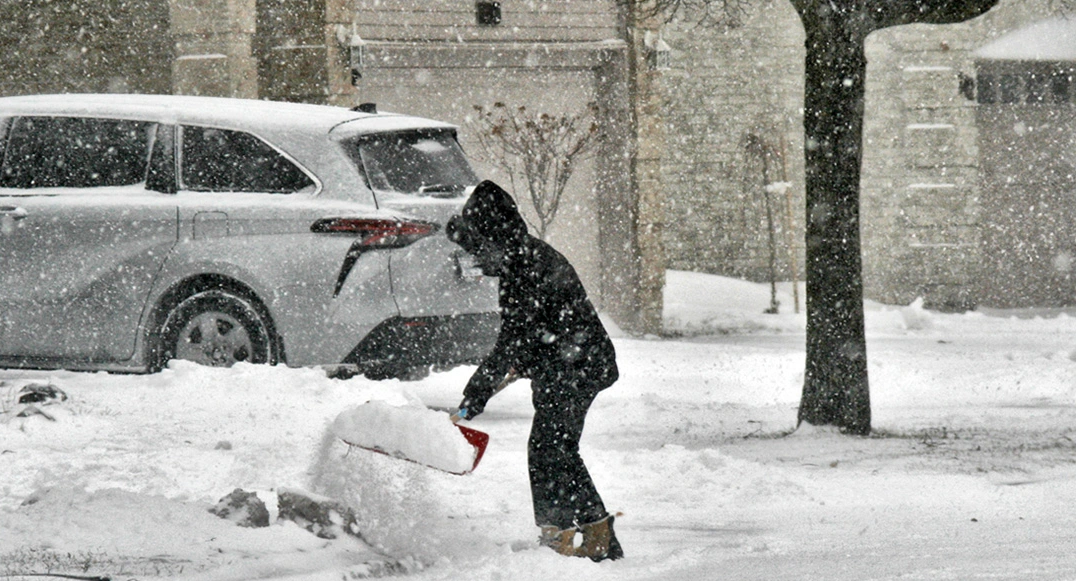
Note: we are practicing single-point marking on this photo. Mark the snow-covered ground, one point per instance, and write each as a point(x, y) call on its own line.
point(970, 474)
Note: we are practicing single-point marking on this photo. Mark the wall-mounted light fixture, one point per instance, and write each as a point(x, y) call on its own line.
point(658, 53)
point(487, 13)
point(356, 50)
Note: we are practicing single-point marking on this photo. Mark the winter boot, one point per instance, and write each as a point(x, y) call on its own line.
point(599, 541)
point(560, 540)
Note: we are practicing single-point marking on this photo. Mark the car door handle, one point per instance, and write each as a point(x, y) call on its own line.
point(15, 212)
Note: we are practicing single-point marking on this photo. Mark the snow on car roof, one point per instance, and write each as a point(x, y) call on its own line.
point(221, 112)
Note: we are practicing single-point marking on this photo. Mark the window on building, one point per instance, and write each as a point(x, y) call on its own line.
point(1009, 89)
point(488, 13)
point(1059, 87)
point(1040, 84)
point(987, 90)
point(1035, 88)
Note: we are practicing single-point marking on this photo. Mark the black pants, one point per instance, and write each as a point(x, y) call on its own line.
point(561, 488)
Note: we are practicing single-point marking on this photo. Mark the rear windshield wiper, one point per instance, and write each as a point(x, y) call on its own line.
point(442, 190)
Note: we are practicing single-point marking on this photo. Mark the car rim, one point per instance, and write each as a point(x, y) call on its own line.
point(214, 338)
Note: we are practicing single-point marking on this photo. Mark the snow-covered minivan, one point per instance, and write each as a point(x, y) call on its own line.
point(135, 229)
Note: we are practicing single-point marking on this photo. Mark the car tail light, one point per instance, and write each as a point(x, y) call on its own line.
point(372, 234)
point(375, 233)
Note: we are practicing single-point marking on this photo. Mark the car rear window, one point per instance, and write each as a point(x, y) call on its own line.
point(219, 160)
point(74, 152)
point(424, 163)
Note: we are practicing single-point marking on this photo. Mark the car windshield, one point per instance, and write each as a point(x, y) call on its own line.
point(415, 163)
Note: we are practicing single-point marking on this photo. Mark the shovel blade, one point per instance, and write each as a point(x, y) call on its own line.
point(476, 438)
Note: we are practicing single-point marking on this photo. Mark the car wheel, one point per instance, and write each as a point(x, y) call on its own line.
point(217, 328)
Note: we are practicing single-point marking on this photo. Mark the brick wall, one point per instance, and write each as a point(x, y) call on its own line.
point(923, 216)
point(84, 46)
point(455, 21)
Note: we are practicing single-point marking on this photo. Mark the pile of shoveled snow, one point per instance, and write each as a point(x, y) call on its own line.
point(413, 432)
point(120, 477)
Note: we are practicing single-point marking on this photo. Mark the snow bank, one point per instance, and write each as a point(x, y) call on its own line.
point(416, 433)
point(969, 474)
point(115, 530)
point(702, 304)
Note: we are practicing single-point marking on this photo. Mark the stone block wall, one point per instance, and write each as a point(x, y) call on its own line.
point(727, 90)
point(920, 163)
point(213, 48)
point(922, 215)
point(922, 192)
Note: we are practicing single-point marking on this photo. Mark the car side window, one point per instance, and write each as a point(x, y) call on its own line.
point(219, 160)
point(4, 122)
point(75, 152)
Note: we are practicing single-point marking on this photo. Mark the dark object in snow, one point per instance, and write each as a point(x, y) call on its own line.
point(551, 334)
point(243, 508)
point(32, 397)
point(62, 576)
point(41, 393)
point(322, 516)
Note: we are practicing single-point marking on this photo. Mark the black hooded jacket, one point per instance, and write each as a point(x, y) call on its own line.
point(550, 332)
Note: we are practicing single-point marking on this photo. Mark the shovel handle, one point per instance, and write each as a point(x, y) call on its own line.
point(508, 379)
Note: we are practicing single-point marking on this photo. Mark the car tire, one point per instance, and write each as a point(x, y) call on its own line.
point(217, 328)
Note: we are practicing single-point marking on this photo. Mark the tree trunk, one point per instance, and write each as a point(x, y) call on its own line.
point(835, 390)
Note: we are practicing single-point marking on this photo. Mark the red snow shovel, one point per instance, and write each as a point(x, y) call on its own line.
point(478, 439)
point(415, 434)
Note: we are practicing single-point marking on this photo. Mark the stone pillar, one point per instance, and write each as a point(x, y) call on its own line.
point(213, 48)
point(339, 27)
point(646, 52)
point(616, 192)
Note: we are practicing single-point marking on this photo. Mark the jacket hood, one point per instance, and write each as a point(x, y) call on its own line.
point(492, 213)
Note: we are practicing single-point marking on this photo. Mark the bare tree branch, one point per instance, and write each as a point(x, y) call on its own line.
point(540, 148)
point(886, 13)
point(709, 13)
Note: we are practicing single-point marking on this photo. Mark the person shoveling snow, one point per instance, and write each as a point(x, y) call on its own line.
point(550, 334)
